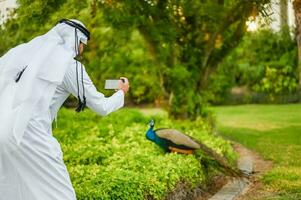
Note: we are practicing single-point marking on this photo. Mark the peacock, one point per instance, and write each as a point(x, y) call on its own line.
point(172, 140)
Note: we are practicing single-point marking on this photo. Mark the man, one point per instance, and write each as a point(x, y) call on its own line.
point(35, 80)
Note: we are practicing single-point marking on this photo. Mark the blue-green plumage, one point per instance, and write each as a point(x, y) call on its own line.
point(163, 142)
point(152, 136)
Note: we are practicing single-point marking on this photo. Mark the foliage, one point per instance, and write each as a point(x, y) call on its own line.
point(164, 47)
point(187, 39)
point(272, 131)
point(110, 54)
point(278, 81)
point(264, 62)
point(110, 157)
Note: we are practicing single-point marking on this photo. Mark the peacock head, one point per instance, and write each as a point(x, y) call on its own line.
point(152, 123)
point(150, 134)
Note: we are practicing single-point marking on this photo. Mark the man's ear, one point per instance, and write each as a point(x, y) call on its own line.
point(81, 48)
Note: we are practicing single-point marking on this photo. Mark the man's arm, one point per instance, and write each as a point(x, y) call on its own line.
point(95, 100)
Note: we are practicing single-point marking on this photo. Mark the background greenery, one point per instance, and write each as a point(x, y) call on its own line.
point(264, 66)
point(167, 47)
point(110, 158)
point(164, 47)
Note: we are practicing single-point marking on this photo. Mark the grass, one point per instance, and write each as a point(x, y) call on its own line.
point(273, 131)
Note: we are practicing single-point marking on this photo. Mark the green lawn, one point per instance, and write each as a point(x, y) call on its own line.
point(274, 131)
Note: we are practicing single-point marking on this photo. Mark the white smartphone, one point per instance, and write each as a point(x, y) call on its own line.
point(111, 84)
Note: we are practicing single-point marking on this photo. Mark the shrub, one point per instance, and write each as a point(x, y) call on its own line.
point(110, 158)
point(265, 62)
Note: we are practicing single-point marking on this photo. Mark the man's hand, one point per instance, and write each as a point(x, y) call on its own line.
point(123, 85)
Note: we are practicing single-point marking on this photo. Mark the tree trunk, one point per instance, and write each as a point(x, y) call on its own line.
point(297, 8)
point(283, 14)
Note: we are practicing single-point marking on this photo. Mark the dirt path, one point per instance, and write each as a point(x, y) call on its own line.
point(255, 190)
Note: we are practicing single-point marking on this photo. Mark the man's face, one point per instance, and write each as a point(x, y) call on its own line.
point(81, 48)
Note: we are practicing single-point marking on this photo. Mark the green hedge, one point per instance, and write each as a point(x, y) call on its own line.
point(110, 158)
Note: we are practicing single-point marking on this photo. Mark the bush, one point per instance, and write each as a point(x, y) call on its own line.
point(265, 62)
point(110, 158)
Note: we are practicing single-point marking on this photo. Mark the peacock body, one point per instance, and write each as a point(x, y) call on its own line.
point(172, 140)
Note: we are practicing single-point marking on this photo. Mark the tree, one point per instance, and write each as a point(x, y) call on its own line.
point(297, 8)
point(284, 14)
point(182, 41)
point(187, 40)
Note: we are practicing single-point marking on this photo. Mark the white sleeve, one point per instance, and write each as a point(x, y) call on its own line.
point(95, 100)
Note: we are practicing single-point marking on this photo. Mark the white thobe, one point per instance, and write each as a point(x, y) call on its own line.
point(35, 170)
